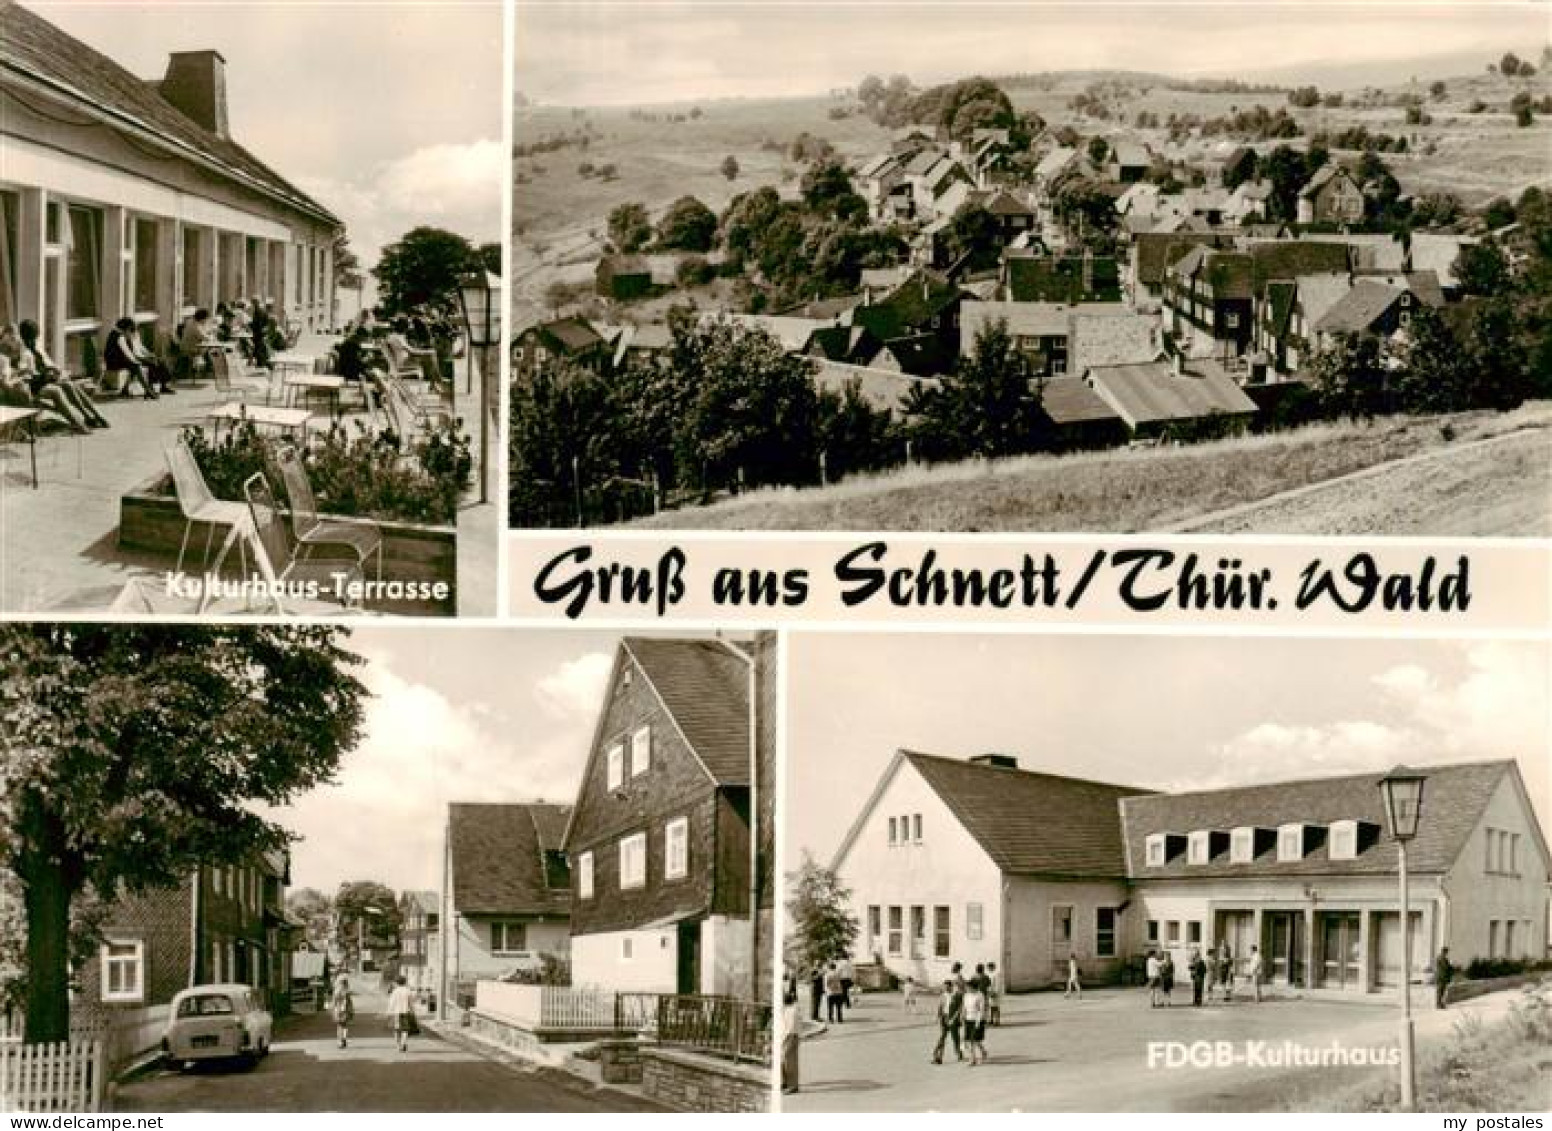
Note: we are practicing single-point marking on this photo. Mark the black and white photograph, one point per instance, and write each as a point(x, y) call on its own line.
point(1272, 269)
point(1112, 873)
point(250, 296)
point(425, 869)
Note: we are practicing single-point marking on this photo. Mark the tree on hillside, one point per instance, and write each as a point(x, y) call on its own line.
point(423, 269)
point(1434, 376)
point(630, 228)
point(1350, 378)
point(1482, 270)
point(1304, 97)
point(688, 225)
point(749, 411)
point(1509, 65)
point(1098, 149)
point(827, 191)
point(1241, 169)
point(136, 752)
point(823, 928)
point(365, 910)
point(974, 231)
point(729, 167)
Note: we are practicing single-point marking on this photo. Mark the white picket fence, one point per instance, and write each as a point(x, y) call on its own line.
point(69, 1076)
point(547, 1007)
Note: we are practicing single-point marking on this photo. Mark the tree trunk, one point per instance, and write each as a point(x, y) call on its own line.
point(48, 952)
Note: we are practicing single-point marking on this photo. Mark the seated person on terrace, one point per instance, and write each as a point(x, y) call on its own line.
point(193, 337)
point(40, 373)
point(262, 326)
point(50, 403)
point(125, 354)
point(402, 355)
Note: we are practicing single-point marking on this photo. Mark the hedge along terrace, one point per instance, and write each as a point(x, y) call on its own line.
point(355, 470)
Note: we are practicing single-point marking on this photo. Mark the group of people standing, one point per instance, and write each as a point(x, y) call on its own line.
point(1209, 972)
point(966, 1007)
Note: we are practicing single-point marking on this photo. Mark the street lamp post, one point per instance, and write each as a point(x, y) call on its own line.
point(1402, 790)
point(479, 294)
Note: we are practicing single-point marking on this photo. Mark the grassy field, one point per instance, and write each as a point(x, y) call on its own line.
point(1117, 491)
point(1482, 1067)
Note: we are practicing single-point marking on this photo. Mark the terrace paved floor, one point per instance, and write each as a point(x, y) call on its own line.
point(1056, 1054)
point(59, 544)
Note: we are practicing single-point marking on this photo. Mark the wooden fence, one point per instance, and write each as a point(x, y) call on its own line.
point(70, 1076)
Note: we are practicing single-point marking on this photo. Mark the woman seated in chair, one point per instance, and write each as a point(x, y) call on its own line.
point(42, 375)
point(125, 354)
point(194, 337)
point(51, 403)
point(402, 355)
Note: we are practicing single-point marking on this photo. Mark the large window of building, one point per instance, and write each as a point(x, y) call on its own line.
point(123, 970)
point(633, 861)
point(508, 938)
point(193, 252)
point(147, 251)
point(585, 876)
point(641, 750)
point(83, 263)
point(973, 921)
point(676, 849)
point(896, 931)
point(942, 933)
point(1104, 932)
point(918, 932)
point(10, 234)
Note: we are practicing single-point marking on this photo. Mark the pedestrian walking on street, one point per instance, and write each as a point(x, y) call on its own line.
point(956, 975)
point(975, 1023)
point(1167, 978)
point(343, 1008)
point(1152, 968)
point(1074, 981)
point(1256, 970)
point(950, 1016)
point(1198, 976)
point(908, 992)
point(835, 995)
point(816, 992)
point(401, 1009)
point(993, 995)
point(791, 1037)
point(1226, 971)
point(848, 974)
point(1443, 975)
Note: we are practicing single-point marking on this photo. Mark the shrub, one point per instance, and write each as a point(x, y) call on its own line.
point(354, 471)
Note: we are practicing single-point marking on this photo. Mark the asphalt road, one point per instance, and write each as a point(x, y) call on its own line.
point(307, 1071)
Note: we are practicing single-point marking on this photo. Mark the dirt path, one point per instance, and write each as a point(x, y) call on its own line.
point(1499, 486)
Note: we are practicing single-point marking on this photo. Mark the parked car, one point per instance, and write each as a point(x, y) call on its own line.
point(217, 1022)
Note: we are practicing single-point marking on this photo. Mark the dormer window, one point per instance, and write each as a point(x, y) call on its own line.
point(1242, 845)
point(1344, 840)
point(1161, 848)
point(1200, 850)
point(1290, 842)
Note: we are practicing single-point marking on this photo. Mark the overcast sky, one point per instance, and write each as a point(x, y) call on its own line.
point(388, 114)
point(1166, 713)
point(457, 714)
point(596, 53)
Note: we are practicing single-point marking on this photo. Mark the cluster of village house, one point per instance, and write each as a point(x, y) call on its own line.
point(1203, 306)
point(980, 860)
point(645, 882)
point(122, 196)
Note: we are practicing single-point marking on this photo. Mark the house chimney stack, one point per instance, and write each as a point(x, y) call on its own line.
point(195, 84)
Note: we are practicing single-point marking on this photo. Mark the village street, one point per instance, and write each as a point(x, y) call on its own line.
point(1055, 1054)
point(307, 1071)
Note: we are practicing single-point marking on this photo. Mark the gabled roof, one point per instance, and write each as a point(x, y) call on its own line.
point(1424, 285)
point(1439, 253)
point(1029, 823)
point(1359, 308)
point(910, 306)
point(1156, 252)
point(793, 333)
point(575, 334)
point(1151, 393)
point(1110, 334)
point(1067, 400)
point(1322, 177)
point(424, 902)
point(496, 857)
point(1129, 154)
point(1319, 293)
point(1289, 259)
point(882, 164)
point(1031, 319)
point(1054, 162)
point(881, 388)
point(37, 52)
point(705, 690)
point(1060, 279)
point(1454, 798)
point(922, 161)
point(1004, 203)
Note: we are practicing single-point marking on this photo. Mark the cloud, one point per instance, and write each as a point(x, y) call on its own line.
point(386, 816)
point(575, 687)
point(1496, 707)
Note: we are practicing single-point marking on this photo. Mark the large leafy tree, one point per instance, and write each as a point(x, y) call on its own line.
point(1350, 377)
point(315, 911)
point(423, 268)
point(630, 228)
point(365, 910)
point(823, 927)
point(992, 404)
point(688, 225)
point(133, 753)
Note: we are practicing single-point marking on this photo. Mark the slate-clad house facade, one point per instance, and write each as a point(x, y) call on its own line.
point(662, 858)
point(128, 196)
point(981, 861)
point(223, 923)
point(506, 892)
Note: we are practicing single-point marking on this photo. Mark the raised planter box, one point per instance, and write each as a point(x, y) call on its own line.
point(1468, 988)
point(151, 522)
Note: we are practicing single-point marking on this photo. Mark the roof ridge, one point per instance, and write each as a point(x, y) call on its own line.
point(1501, 763)
point(968, 764)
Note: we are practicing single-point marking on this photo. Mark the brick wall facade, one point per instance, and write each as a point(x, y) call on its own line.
point(159, 921)
point(689, 1082)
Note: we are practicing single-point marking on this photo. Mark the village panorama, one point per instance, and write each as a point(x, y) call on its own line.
point(1098, 300)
